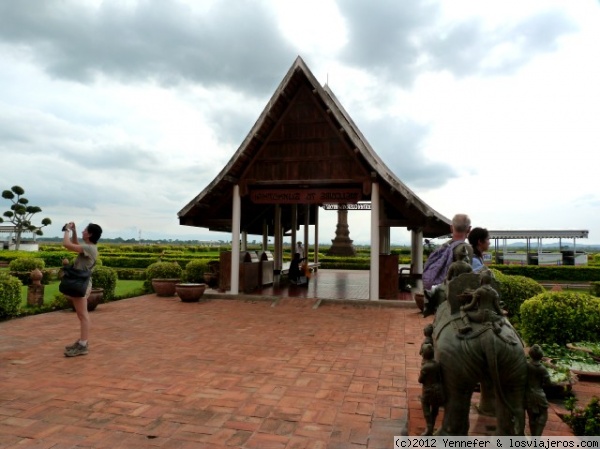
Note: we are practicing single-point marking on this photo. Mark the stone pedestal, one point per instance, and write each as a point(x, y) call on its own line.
point(35, 291)
point(342, 245)
point(35, 295)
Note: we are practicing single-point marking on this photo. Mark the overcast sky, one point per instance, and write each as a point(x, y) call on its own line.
point(120, 111)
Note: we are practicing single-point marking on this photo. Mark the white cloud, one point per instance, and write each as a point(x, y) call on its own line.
point(122, 112)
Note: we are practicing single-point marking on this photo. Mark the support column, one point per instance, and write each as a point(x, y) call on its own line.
point(278, 239)
point(416, 249)
point(235, 240)
point(244, 246)
point(265, 235)
point(316, 253)
point(294, 228)
point(306, 225)
point(384, 240)
point(374, 271)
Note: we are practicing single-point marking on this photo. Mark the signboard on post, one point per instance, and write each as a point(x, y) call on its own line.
point(357, 206)
point(305, 196)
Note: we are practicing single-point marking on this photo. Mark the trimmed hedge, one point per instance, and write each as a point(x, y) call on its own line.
point(10, 295)
point(561, 318)
point(22, 267)
point(513, 290)
point(195, 269)
point(130, 274)
point(552, 272)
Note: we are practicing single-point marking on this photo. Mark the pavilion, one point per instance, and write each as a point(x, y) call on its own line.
point(305, 152)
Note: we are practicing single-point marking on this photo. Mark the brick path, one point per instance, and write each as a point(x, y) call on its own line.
point(222, 373)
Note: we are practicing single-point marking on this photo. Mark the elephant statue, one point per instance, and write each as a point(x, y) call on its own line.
point(476, 345)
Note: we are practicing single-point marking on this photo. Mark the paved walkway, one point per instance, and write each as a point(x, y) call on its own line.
point(245, 373)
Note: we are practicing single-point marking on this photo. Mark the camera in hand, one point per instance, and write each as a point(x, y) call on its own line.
point(65, 228)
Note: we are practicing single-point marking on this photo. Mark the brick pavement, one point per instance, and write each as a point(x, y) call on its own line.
point(221, 373)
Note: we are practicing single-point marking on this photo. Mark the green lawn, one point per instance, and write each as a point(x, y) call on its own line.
point(124, 289)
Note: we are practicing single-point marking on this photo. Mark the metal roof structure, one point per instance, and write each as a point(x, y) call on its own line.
point(539, 234)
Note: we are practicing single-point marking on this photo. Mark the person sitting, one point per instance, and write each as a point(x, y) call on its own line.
point(295, 272)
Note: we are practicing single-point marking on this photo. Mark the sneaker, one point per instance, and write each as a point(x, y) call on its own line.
point(78, 349)
point(73, 345)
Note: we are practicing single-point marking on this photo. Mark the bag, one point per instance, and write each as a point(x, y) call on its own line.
point(74, 282)
point(437, 264)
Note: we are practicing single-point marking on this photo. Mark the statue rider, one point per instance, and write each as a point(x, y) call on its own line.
point(484, 307)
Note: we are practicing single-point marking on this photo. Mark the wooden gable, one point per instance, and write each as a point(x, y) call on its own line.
point(305, 140)
point(305, 148)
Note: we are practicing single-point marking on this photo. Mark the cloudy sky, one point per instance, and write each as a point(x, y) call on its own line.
point(121, 111)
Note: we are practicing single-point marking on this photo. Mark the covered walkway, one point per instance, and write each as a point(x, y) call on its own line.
point(325, 284)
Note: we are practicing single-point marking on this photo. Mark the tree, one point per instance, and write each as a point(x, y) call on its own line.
point(20, 214)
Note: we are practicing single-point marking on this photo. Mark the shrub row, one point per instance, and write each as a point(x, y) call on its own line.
point(514, 290)
point(148, 249)
point(561, 318)
point(193, 272)
point(552, 272)
point(10, 295)
point(125, 256)
point(595, 288)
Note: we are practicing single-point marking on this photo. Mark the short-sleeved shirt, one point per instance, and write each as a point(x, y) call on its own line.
point(477, 264)
point(87, 258)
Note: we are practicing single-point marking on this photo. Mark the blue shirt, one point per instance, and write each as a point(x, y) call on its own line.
point(477, 264)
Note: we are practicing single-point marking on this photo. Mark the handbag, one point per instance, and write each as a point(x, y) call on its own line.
point(74, 282)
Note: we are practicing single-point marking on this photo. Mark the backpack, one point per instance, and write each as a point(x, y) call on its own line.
point(437, 264)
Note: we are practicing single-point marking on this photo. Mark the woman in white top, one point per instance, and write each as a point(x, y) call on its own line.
point(300, 249)
point(479, 238)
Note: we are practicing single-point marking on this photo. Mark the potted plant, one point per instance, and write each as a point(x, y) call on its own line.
point(190, 292)
point(104, 279)
point(161, 277)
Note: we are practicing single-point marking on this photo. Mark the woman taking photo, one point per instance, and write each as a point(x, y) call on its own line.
point(479, 238)
point(87, 253)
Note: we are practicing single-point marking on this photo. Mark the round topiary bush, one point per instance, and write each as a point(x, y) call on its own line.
point(195, 269)
point(161, 270)
point(513, 290)
point(22, 267)
point(10, 295)
point(561, 318)
point(106, 278)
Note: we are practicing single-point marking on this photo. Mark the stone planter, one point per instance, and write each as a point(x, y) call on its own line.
point(190, 292)
point(165, 286)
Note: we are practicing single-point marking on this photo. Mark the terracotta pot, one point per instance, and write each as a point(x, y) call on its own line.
point(420, 300)
point(96, 297)
point(165, 286)
point(190, 292)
